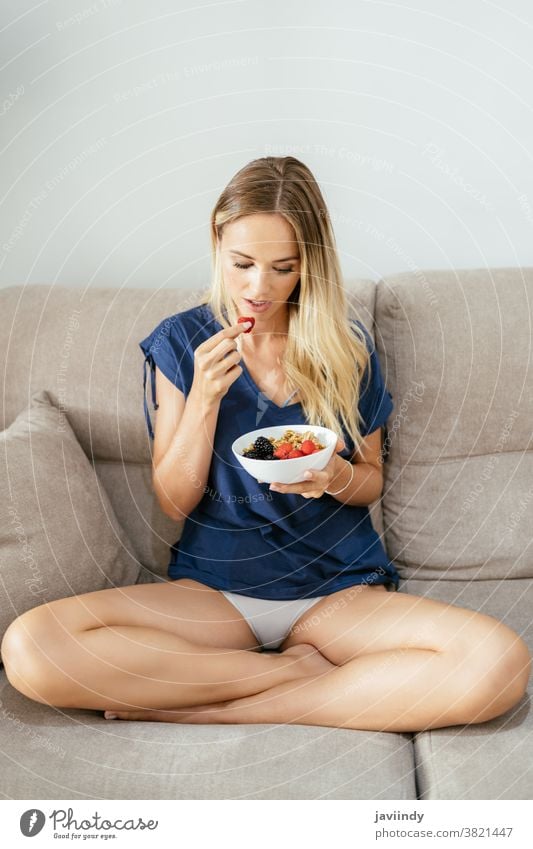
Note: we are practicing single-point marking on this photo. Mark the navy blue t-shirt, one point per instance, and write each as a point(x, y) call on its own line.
point(241, 536)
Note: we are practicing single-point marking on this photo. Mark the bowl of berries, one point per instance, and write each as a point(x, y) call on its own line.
point(283, 454)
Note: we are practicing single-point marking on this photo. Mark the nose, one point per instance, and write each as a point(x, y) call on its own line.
point(261, 281)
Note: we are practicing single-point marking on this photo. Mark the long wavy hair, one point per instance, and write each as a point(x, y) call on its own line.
point(326, 353)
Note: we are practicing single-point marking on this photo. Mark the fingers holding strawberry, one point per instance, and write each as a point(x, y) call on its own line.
point(248, 320)
point(217, 361)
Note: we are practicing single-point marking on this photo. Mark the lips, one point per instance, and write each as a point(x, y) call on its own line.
point(257, 306)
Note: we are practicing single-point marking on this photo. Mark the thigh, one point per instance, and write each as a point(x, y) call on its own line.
point(363, 619)
point(184, 607)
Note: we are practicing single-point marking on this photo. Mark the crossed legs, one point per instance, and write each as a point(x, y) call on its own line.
point(360, 658)
point(400, 663)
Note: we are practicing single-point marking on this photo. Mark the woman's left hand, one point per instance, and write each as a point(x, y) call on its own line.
point(316, 481)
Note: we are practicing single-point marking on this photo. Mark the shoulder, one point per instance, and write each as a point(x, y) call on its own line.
point(195, 321)
point(363, 333)
point(195, 325)
point(189, 319)
point(184, 329)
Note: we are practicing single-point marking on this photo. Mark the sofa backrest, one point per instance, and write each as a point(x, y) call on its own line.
point(83, 347)
point(456, 347)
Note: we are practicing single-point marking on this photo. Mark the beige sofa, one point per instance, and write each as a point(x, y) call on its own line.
point(456, 512)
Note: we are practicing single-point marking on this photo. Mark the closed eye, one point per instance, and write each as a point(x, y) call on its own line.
point(279, 270)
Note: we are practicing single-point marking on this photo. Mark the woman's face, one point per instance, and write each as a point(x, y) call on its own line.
point(260, 262)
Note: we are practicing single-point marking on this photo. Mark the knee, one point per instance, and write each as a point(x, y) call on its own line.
point(23, 652)
point(497, 674)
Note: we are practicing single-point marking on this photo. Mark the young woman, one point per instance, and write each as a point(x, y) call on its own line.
point(295, 568)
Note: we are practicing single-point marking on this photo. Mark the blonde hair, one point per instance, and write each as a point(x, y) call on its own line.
point(325, 356)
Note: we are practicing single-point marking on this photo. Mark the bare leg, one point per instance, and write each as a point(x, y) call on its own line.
point(117, 667)
point(405, 690)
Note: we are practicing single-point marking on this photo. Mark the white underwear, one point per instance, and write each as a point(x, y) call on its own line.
point(270, 619)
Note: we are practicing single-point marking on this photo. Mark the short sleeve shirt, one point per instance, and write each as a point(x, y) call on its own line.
point(242, 536)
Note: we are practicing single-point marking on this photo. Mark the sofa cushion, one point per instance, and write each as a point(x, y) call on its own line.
point(458, 498)
point(47, 753)
point(487, 760)
point(58, 532)
point(139, 513)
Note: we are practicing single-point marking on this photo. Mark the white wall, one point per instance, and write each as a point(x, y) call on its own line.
point(122, 121)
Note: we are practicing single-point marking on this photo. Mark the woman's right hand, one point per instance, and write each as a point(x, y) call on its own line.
point(216, 363)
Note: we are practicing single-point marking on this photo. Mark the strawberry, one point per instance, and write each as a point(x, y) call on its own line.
point(295, 453)
point(285, 447)
point(244, 318)
point(308, 447)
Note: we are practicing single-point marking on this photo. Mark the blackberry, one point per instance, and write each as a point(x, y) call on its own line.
point(263, 448)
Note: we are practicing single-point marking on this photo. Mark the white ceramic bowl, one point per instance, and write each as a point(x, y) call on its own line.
point(285, 471)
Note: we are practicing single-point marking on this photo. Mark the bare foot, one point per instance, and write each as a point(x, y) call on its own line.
point(185, 715)
point(308, 661)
